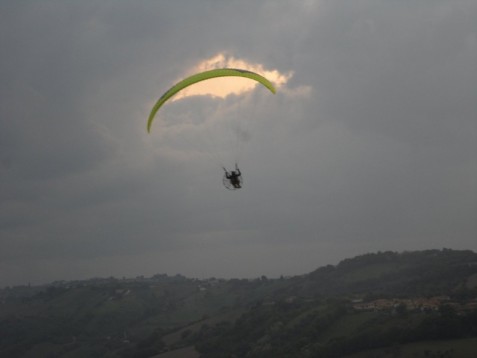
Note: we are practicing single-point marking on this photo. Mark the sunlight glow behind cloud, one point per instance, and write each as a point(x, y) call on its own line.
point(222, 87)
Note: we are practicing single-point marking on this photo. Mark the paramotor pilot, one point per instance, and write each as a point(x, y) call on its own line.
point(234, 177)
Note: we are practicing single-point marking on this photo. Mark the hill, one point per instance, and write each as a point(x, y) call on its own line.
point(375, 301)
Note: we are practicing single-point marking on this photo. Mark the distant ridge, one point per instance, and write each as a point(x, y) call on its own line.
point(371, 301)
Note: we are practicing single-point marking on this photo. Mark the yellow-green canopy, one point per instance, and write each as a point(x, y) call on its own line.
point(221, 72)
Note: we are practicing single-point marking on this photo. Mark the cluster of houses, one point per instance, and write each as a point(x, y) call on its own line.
point(413, 304)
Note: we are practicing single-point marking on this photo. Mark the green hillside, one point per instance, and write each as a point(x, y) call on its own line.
point(369, 304)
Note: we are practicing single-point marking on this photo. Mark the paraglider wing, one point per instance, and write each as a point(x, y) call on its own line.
point(221, 72)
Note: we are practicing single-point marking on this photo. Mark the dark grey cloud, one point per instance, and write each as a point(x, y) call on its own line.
point(379, 154)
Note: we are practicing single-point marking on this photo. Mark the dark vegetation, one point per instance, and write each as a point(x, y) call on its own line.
point(384, 304)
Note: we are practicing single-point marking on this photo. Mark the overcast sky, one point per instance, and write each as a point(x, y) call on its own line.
point(370, 143)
